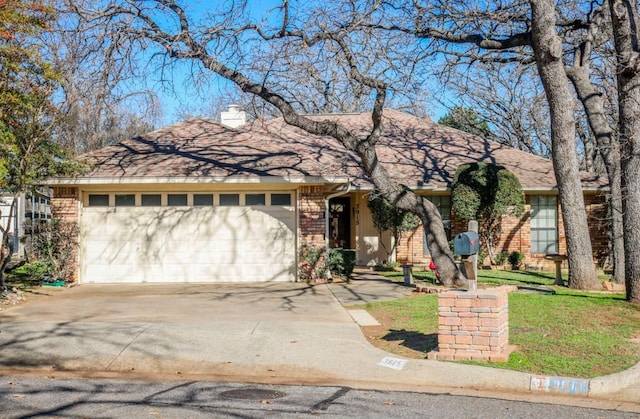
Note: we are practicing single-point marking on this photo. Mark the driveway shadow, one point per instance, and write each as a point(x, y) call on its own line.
point(368, 287)
point(413, 340)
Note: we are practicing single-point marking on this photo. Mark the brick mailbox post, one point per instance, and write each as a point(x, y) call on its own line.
point(473, 325)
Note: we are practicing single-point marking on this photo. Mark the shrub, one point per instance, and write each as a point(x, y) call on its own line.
point(53, 245)
point(34, 271)
point(386, 217)
point(386, 266)
point(501, 258)
point(311, 267)
point(341, 262)
point(481, 257)
point(486, 193)
point(515, 259)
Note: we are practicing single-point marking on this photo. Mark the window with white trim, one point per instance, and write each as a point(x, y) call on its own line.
point(98, 200)
point(125, 200)
point(177, 200)
point(202, 200)
point(229, 199)
point(283, 199)
point(544, 224)
point(150, 200)
point(255, 199)
point(197, 199)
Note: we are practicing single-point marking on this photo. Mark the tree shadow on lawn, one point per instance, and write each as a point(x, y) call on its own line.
point(420, 342)
point(537, 279)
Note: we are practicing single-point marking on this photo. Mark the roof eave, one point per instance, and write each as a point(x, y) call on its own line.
point(592, 189)
point(129, 180)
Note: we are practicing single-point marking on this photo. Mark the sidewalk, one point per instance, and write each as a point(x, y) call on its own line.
point(275, 333)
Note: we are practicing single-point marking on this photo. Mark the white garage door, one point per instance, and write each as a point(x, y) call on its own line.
point(187, 244)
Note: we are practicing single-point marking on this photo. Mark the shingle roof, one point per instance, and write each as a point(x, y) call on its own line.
point(416, 151)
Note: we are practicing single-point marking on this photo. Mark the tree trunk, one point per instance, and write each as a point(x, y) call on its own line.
point(405, 199)
point(609, 150)
point(624, 19)
point(547, 48)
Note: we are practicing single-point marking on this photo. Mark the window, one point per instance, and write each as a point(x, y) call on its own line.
point(281, 199)
point(544, 224)
point(150, 200)
point(176, 200)
point(202, 200)
point(443, 203)
point(229, 199)
point(99, 200)
point(255, 199)
point(128, 200)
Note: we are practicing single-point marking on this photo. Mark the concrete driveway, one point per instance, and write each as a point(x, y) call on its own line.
point(184, 303)
point(173, 327)
point(243, 330)
point(207, 303)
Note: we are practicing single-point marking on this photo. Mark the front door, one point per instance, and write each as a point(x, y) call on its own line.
point(340, 223)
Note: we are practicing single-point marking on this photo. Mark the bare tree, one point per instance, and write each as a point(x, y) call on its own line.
point(548, 52)
point(251, 57)
point(504, 33)
point(98, 101)
point(592, 99)
point(626, 34)
point(296, 62)
point(507, 95)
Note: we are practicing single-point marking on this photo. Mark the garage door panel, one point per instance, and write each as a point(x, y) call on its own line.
point(106, 252)
point(110, 273)
point(277, 270)
point(286, 215)
point(209, 244)
point(202, 255)
point(172, 272)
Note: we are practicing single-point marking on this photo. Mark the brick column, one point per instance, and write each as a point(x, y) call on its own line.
point(311, 207)
point(65, 206)
point(473, 325)
point(311, 232)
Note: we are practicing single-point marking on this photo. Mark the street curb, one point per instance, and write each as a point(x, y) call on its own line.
point(624, 385)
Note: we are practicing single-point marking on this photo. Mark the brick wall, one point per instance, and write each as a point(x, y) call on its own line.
point(65, 206)
point(410, 248)
point(473, 325)
point(311, 207)
point(596, 207)
point(516, 236)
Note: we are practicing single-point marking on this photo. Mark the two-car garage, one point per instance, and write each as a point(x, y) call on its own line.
point(136, 237)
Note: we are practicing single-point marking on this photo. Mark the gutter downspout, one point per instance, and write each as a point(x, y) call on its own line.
point(326, 220)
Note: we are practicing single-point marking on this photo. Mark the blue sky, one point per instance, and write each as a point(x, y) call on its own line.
point(180, 93)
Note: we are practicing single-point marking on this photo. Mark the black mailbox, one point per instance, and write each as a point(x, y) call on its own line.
point(467, 243)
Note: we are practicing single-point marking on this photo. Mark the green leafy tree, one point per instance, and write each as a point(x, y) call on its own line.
point(386, 217)
point(27, 114)
point(486, 193)
point(467, 120)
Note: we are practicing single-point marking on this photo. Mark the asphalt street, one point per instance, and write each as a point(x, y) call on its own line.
point(22, 397)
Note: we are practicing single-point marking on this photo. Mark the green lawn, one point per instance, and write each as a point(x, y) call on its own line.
point(493, 276)
point(567, 333)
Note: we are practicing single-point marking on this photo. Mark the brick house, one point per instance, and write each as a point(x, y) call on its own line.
point(200, 201)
